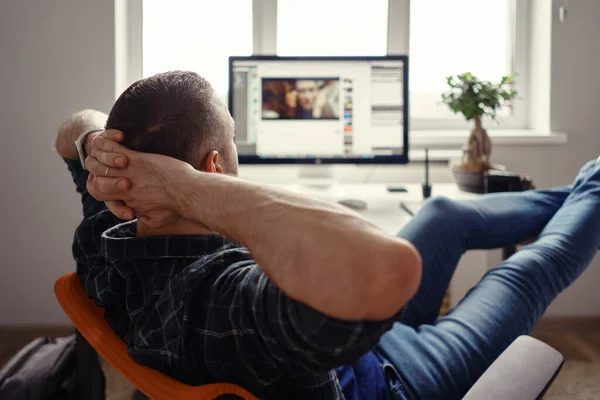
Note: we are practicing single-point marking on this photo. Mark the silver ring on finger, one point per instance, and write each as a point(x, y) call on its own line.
point(106, 172)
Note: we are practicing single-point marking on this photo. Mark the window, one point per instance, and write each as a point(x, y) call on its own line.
point(452, 37)
point(442, 37)
point(331, 28)
point(195, 35)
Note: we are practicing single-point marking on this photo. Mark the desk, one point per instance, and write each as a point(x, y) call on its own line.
point(383, 208)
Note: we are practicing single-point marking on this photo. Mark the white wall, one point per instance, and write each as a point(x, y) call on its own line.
point(58, 56)
point(55, 58)
point(574, 109)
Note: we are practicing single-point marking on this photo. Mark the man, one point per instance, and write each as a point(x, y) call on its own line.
point(311, 103)
point(317, 301)
point(307, 95)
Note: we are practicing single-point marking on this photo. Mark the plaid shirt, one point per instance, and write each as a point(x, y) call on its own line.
point(200, 309)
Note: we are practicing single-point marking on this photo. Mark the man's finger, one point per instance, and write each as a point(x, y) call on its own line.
point(100, 143)
point(99, 169)
point(119, 209)
point(113, 134)
point(111, 185)
point(96, 194)
point(111, 159)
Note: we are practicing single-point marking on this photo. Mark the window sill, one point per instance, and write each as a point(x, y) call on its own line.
point(435, 156)
point(420, 139)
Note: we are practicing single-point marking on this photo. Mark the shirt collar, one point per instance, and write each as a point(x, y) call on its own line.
point(121, 243)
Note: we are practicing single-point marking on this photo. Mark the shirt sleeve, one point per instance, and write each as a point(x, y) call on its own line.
point(92, 269)
point(246, 317)
point(90, 205)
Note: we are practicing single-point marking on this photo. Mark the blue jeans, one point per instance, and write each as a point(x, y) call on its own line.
point(429, 358)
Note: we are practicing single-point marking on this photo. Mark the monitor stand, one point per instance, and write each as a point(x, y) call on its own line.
point(317, 177)
point(319, 181)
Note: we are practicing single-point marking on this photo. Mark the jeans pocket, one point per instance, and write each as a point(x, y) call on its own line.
point(397, 387)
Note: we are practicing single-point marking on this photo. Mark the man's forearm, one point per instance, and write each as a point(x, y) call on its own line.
point(317, 252)
point(71, 128)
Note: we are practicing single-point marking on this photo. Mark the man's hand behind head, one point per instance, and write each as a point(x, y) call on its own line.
point(117, 207)
point(144, 182)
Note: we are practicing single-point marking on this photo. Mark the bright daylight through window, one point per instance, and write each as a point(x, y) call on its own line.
point(196, 36)
point(445, 38)
point(332, 28)
point(452, 37)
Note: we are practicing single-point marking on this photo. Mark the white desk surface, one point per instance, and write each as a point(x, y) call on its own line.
point(383, 208)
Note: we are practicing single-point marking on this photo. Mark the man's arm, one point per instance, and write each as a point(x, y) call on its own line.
point(86, 248)
point(69, 131)
point(317, 252)
point(73, 126)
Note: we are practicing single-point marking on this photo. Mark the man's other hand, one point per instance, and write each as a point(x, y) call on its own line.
point(117, 207)
point(135, 183)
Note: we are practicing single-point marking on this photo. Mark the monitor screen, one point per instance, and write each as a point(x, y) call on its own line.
point(320, 109)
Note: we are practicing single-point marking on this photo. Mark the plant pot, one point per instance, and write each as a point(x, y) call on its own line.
point(468, 180)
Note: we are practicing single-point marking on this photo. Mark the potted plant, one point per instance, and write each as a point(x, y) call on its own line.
point(474, 99)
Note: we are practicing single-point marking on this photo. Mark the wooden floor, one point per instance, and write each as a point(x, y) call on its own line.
point(578, 339)
point(579, 378)
point(578, 342)
point(574, 346)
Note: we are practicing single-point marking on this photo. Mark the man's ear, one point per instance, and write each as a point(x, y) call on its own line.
point(212, 163)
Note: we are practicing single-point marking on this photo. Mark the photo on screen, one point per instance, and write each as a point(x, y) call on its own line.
point(347, 102)
point(300, 98)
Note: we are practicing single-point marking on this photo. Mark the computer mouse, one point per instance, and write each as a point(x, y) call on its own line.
point(354, 204)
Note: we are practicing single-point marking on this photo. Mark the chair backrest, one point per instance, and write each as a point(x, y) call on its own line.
point(89, 321)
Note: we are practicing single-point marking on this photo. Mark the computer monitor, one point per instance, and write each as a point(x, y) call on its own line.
point(320, 110)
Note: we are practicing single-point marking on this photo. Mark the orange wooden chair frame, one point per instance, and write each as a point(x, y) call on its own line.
point(89, 321)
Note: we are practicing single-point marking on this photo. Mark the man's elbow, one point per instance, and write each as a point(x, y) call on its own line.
point(393, 281)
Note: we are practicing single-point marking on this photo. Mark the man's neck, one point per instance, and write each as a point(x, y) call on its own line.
point(179, 227)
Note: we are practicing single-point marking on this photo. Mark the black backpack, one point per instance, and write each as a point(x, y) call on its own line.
point(44, 369)
point(66, 368)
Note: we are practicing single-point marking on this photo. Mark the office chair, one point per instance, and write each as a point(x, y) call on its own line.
point(89, 321)
point(524, 371)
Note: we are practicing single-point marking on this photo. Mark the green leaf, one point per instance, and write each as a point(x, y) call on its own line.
point(473, 97)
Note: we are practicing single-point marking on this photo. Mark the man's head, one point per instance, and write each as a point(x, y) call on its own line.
point(177, 114)
point(307, 93)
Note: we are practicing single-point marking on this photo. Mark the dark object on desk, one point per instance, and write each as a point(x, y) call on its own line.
point(504, 181)
point(491, 181)
point(426, 186)
point(396, 189)
point(410, 208)
point(426, 191)
point(353, 204)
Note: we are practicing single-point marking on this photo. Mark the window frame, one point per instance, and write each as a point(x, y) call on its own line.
point(398, 43)
point(128, 29)
point(517, 59)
